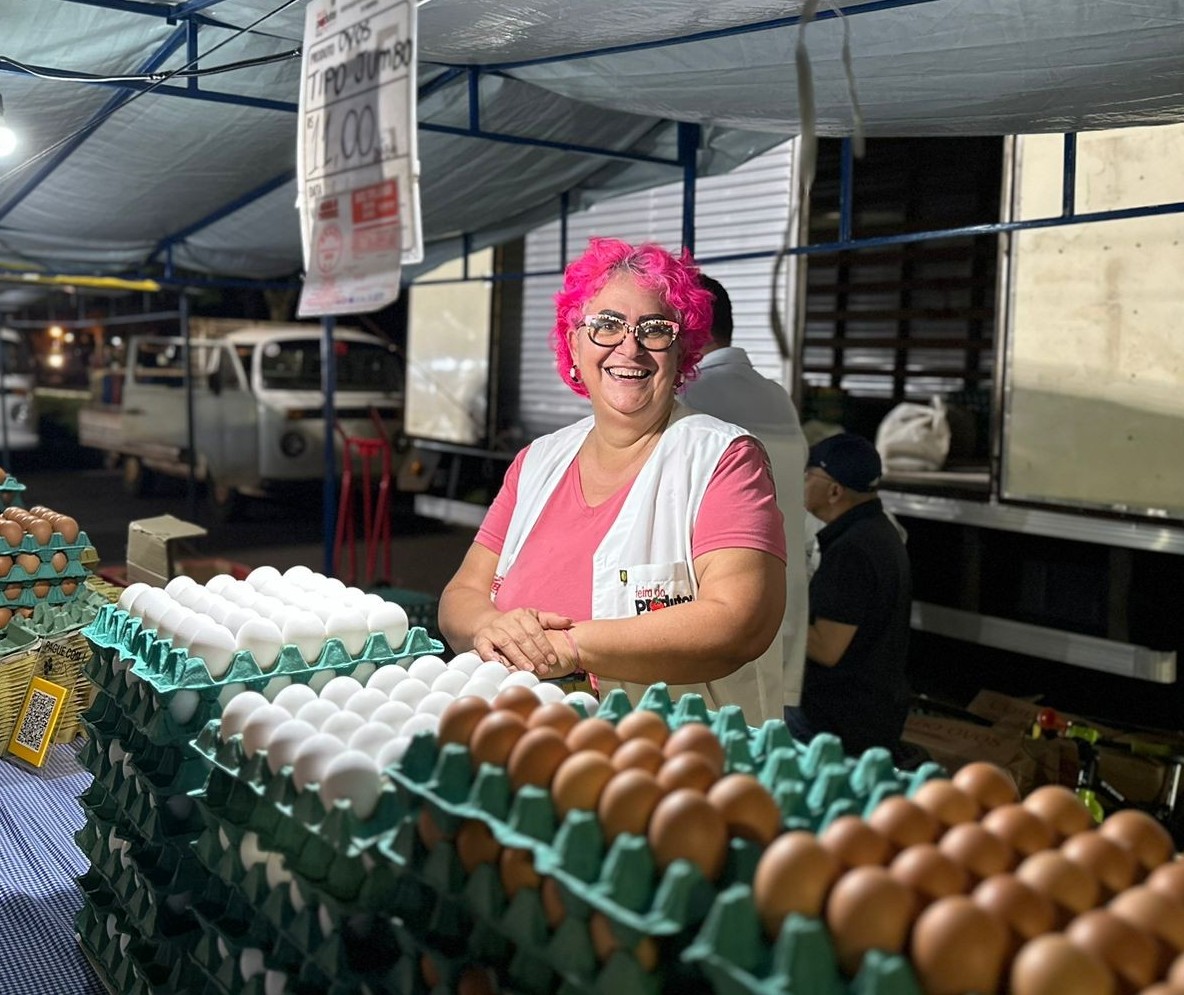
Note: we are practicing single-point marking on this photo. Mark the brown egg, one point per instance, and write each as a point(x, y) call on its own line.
point(958, 947)
point(429, 971)
point(5, 565)
point(685, 826)
point(1142, 835)
point(1024, 831)
point(794, 874)
point(1069, 886)
point(494, 737)
point(747, 808)
point(30, 563)
point(1176, 972)
point(605, 943)
point(68, 528)
point(41, 589)
point(476, 981)
point(1131, 954)
point(639, 752)
point(947, 803)
point(1061, 810)
point(556, 714)
point(929, 873)
point(593, 734)
point(1157, 915)
point(41, 511)
point(535, 758)
point(40, 530)
point(69, 587)
point(627, 802)
point(11, 532)
point(1021, 907)
point(1168, 879)
point(5, 616)
point(976, 851)
point(459, 719)
point(14, 514)
point(987, 784)
point(868, 909)
point(551, 894)
point(903, 823)
point(59, 561)
point(1110, 862)
point(644, 724)
point(696, 738)
point(687, 770)
point(853, 843)
point(431, 833)
point(13, 591)
point(579, 781)
point(517, 699)
point(516, 868)
point(475, 845)
point(1053, 965)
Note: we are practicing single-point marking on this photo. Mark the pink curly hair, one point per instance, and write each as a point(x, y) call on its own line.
point(675, 280)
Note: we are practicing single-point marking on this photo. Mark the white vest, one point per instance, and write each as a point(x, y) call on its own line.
point(645, 560)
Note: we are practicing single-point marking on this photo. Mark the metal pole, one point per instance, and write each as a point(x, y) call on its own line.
point(328, 382)
point(846, 189)
point(190, 433)
point(4, 405)
point(1069, 176)
point(688, 155)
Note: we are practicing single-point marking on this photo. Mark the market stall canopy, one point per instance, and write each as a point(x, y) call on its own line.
point(201, 172)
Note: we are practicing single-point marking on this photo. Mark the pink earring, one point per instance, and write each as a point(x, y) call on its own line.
point(574, 373)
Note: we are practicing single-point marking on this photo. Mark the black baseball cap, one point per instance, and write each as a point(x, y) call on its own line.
point(850, 460)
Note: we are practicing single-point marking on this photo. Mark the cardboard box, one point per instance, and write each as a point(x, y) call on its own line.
point(154, 545)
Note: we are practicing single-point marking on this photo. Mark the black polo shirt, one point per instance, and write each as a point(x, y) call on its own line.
point(864, 581)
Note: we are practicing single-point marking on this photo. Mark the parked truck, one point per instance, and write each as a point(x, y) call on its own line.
point(258, 408)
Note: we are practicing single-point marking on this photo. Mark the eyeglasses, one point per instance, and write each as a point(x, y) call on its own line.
point(652, 334)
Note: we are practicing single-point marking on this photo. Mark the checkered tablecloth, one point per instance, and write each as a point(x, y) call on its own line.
point(39, 861)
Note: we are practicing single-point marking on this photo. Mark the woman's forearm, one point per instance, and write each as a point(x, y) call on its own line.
point(462, 612)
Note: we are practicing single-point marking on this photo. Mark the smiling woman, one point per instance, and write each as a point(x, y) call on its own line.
point(643, 543)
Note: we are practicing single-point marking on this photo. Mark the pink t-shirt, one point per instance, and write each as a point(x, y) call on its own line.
point(554, 569)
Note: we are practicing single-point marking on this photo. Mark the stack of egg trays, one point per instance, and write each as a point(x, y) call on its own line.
point(74, 570)
point(10, 493)
point(18, 661)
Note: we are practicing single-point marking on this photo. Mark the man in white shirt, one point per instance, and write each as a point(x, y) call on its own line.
point(730, 388)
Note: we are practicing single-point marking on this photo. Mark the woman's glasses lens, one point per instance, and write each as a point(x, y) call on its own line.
point(655, 335)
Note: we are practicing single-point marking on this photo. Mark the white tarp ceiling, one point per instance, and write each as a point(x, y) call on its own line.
point(211, 179)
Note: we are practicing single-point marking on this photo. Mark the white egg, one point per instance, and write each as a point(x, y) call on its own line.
point(295, 898)
point(350, 627)
point(352, 776)
point(180, 806)
point(315, 604)
point(451, 681)
point(178, 584)
point(313, 757)
point(219, 583)
point(214, 645)
point(195, 598)
point(151, 605)
point(411, 691)
point(241, 593)
point(420, 722)
point(281, 615)
point(267, 607)
point(492, 672)
point(294, 696)
point(262, 723)
point(307, 633)
point(277, 874)
point(274, 686)
point(274, 982)
point(482, 689)
point(353, 596)
point(362, 672)
point(427, 668)
point(261, 638)
point(333, 587)
point(286, 740)
point(393, 714)
point(373, 600)
point(261, 575)
point(188, 630)
point(250, 963)
point(365, 701)
point(249, 850)
point(183, 705)
point(520, 679)
point(320, 678)
point(297, 575)
point(386, 677)
point(128, 596)
point(466, 663)
point(315, 712)
point(583, 698)
point(229, 692)
point(371, 738)
point(173, 616)
point(434, 703)
point(547, 692)
point(237, 617)
point(390, 619)
point(217, 608)
point(343, 725)
point(340, 689)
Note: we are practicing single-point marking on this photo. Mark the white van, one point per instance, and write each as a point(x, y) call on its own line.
point(258, 418)
point(18, 412)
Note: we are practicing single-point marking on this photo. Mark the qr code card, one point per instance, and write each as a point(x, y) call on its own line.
point(32, 735)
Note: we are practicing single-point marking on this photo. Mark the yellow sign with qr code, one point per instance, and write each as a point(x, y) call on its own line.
point(32, 736)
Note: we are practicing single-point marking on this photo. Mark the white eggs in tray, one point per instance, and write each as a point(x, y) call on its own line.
point(313, 757)
point(363, 671)
point(241, 593)
point(275, 686)
point(583, 698)
point(343, 725)
point(130, 594)
point(215, 646)
point(371, 738)
point(520, 679)
point(365, 701)
point(173, 616)
point(287, 738)
point(237, 617)
point(217, 608)
point(547, 692)
point(352, 776)
point(491, 672)
point(315, 712)
point(250, 963)
point(262, 575)
point(411, 691)
point(151, 605)
point(393, 714)
point(297, 574)
point(450, 682)
point(183, 705)
point(178, 584)
point(420, 722)
point(275, 871)
point(393, 752)
point(236, 712)
point(482, 689)
point(349, 626)
point(229, 692)
point(219, 583)
point(195, 598)
point(390, 619)
point(434, 703)
point(262, 638)
point(465, 663)
point(426, 668)
point(249, 850)
point(266, 607)
point(262, 723)
point(319, 679)
point(294, 696)
point(306, 632)
point(340, 689)
point(386, 677)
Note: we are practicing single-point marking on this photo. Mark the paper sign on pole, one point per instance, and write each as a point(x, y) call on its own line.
point(356, 154)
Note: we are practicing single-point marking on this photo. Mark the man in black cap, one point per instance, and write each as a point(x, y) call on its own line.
point(860, 602)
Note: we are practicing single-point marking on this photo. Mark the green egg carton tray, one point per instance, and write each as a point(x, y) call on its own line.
point(27, 598)
point(116, 634)
point(15, 639)
point(50, 620)
point(73, 570)
point(57, 544)
point(735, 957)
point(10, 484)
